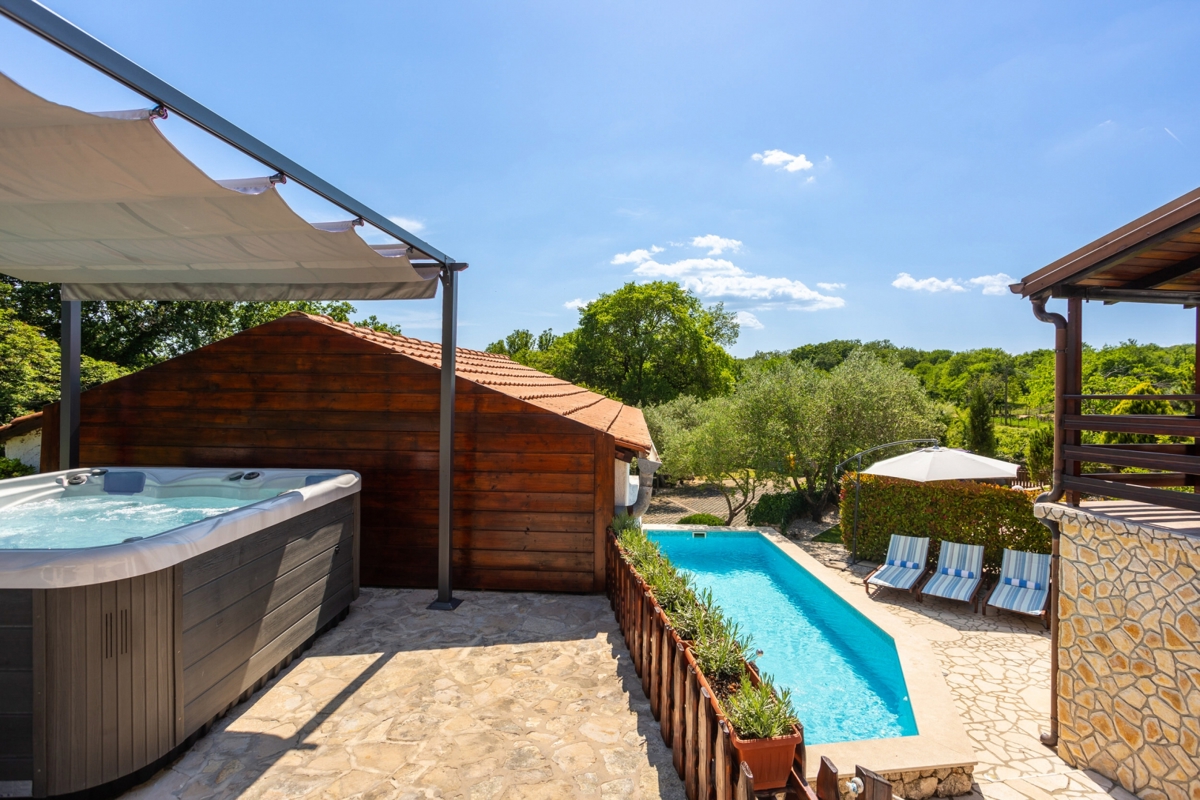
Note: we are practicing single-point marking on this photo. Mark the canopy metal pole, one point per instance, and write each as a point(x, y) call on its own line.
point(445, 597)
point(68, 407)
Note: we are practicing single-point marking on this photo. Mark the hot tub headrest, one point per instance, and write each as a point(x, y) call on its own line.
point(313, 479)
point(124, 482)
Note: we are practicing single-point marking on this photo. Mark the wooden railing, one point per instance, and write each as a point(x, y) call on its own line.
point(701, 742)
point(1173, 465)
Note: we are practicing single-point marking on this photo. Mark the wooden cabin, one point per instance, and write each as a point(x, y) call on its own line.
point(535, 456)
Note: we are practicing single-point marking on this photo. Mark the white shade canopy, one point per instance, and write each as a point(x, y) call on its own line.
point(106, 206)
point(943, 464)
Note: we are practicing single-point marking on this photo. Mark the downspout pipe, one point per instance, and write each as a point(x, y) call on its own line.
point(646, 469)
point(1050, 738)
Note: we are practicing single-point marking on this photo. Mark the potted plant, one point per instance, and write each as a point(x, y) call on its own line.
point(765, 731)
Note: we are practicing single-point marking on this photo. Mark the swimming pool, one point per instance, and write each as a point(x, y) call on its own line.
point(843, 671)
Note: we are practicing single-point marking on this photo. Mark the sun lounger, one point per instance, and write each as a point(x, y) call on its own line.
point(959, 573)
point(1024, 585)
point(903, 567)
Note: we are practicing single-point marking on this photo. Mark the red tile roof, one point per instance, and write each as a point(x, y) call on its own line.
point(624, 423)
point(21, 425)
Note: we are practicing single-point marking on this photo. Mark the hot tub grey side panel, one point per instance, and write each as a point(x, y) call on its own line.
point(16, 685)
point(249, 606)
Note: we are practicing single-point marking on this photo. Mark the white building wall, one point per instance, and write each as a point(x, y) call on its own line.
point(26, 448)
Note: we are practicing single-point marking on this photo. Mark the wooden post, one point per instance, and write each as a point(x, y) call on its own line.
point(827, 780)
point(723, 763)
point(666, 675)
point(1074, 384)
point(745, 784)
point(1195, 448)
point(705, 718)
point(678, 705)
point(690, 744)
point(653, 643)
point(645, 654)
point(875, 787)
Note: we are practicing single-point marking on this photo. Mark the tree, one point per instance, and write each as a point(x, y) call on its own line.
point(980, 431)
point(29, 367)
point(649, 343)
point(1039, 455)
point(137, 333)
point(1137, 406)
point(714, 441)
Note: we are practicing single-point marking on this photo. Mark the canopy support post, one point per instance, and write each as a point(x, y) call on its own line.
point(445, 600)
point(68, 408)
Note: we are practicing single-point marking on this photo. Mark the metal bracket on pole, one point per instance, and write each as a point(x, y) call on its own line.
point(68, 406)
point(445, 600)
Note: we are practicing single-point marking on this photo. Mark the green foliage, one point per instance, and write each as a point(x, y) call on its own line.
point(720, 649)
point(831, 536)
point(970, 513)
point(621, 523)
point(136, 333)
point(778, 509)
point(979, 431)
point(760, 712)
point(30, 364)
point(650, 343)
point(12, 468)
point(701, 519)
point(375, 324)
point(1039, 454)
point(1137, 406)
point(1012, 442)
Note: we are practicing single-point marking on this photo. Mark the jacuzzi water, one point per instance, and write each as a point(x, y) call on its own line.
point(843, 671)
point(71, 522)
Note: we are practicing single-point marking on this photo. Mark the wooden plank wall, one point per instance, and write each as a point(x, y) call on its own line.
point(16, 685)
point(533, 489)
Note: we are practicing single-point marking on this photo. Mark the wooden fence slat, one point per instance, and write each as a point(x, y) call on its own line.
point(656, 647)
point(691, 742)
point(723, 763)
point(745, 784)
point(827, 780)
point(666, 675)
point(678, 706)
point(704, 735)
point(875, 787)
point(647, 628)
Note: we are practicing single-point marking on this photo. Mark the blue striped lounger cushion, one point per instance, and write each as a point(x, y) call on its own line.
point(904, 565)
point(1024, 583)
point(959, 572)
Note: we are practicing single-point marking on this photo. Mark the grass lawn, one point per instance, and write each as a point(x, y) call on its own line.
point(833, 536)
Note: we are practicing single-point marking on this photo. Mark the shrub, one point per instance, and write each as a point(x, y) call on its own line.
point(623, 522)
point(12, 468)
point(701, 519)
point(971, 513)
point(778, 509)
point(1039, 454)
point(760, 712)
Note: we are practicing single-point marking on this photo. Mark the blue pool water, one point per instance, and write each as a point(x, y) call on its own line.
point(843, 671)
point(71, 522)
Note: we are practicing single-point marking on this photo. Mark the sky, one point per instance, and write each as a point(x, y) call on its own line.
point(836, 170)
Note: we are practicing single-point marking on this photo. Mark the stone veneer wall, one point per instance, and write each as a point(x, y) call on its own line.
point(1129, 652)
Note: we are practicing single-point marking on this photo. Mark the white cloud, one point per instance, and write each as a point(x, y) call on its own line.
point(906, 281)
point(717, 277)
point(410, 225)
point(785, 161)
point(716, 244)
point(831, 287)
point(576, 304)
point(993, 284)
point(632, 257)
point(748, 320)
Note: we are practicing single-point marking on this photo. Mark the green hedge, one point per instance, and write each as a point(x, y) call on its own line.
point(971, 513)
point(711, 520)
point(777, 509)
point(12, 468)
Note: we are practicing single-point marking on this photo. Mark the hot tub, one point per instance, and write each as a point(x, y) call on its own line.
point(138, 605)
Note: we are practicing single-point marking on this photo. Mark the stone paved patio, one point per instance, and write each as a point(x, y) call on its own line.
point(512, 696)
point(998, 668)
point(521, 695)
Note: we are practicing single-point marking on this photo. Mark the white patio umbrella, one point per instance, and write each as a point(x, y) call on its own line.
point(943, 464)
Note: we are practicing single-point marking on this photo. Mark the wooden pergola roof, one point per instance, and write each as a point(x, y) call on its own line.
point(1154, 259)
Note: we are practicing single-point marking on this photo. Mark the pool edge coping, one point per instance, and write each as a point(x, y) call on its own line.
point(941, 741)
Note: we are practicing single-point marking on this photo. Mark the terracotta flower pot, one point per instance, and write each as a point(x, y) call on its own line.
point(770, 760)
